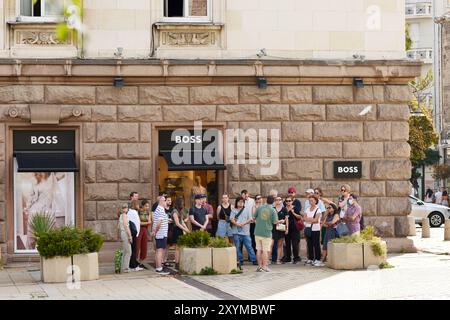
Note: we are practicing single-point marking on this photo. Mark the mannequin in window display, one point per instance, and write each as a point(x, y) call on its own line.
point(45, 196)
point(197, 188)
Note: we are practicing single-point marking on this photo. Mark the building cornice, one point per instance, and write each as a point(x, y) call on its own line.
point(206, 71)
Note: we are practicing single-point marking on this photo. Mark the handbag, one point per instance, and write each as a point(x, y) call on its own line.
point(342, 229)
point(299, 224)
point(280, 227)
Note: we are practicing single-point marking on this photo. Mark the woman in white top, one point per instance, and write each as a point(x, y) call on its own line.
point(312, 222)
point(125, 236)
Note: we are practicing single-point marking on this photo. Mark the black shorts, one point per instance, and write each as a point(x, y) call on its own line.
point(161, 243)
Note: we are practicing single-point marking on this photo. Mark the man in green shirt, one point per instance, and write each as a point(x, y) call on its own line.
point(265, 217)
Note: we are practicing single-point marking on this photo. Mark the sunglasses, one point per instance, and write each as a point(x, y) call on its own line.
point(343, 190)
point(288, 200)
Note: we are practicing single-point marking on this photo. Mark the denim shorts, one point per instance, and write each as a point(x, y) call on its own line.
point(161, 243)
point(224, 229)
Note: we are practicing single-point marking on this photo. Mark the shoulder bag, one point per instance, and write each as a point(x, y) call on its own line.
point(342, 229)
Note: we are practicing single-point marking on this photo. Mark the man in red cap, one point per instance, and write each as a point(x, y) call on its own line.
point(296, 203)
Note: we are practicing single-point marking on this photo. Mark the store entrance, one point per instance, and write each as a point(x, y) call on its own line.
point(187, 183)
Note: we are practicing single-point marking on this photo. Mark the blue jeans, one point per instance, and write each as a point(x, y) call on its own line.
point(275, 251)
point(248, 245)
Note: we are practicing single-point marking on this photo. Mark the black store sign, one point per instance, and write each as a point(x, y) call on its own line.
point(45, 151)
point(198, 149)
point(348, 169)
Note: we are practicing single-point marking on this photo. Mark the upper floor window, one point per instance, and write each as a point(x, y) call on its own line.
point(40, 10)
point(187, 10)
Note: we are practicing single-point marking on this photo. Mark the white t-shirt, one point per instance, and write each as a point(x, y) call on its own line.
point(310, 214)
point(160, 214)
point(438, 196)
point(133, 216)
point(249, 204)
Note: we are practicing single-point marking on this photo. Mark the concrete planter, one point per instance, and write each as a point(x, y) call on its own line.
point(370, 259)
point(350, 256)
point(195, 259)
point(224, 259)
point(88, 266)
point(57, 269)
point(345, 256)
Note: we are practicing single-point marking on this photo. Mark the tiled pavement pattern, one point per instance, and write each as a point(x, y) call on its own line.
point(415, 276)
point(19, 283)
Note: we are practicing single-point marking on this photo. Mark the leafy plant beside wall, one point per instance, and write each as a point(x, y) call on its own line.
point(68, 241)
point(366, 235)
point(41, 222)
point(196, 239)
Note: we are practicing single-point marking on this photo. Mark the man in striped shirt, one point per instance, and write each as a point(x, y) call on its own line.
point(160, 230)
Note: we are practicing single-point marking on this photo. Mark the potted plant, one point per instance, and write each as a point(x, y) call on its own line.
point(224, 255)
point(357, 251)
point(41, 222)
point(68, 252)
point(195, 253)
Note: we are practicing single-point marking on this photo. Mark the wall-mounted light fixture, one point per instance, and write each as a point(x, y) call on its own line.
point(358, 82)
point(261, 82)
point(118, 82)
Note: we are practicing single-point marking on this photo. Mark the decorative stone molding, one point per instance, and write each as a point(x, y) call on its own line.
point(188, 35)
point(42, 34)
point(45, 113)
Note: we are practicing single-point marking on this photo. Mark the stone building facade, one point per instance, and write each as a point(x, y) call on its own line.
point(314, 104)
point(336, 91)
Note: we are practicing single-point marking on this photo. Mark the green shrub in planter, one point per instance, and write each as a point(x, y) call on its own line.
point(41, 222)
point(91, 241)
point(68, 241)
point(196, 239)
point(220, 242)
point(366, 235)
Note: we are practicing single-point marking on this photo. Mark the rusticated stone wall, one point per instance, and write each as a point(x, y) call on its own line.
point(445, 61)
point(318, 124)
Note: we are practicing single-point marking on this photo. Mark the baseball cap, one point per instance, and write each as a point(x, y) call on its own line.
point(310, 191)
point(292, 190)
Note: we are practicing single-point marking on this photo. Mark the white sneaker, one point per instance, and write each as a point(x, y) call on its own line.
point(138, 269)
point(126, 271)
point(308, 262)
point(319, 264)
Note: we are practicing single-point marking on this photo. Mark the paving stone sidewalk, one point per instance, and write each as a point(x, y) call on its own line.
point(24, 283)
point(435, 244)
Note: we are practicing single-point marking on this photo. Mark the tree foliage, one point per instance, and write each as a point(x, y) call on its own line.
point(408, 40)
point(422, 134)
point(441, 171)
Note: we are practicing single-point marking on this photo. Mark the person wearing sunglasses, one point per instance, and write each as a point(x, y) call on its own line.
point(292, 238)
point(331, 220)
point(280, 229)
point(343, 199)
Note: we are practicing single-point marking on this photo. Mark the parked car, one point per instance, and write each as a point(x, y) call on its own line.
point(436, 213)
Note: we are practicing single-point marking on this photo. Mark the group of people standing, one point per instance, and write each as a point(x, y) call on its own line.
point(266, 230)
point(165, 221)
point(273, 229)
point(439, 197)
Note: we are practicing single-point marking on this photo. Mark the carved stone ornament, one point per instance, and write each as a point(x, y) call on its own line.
point(38, 38)
point(188, 38)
